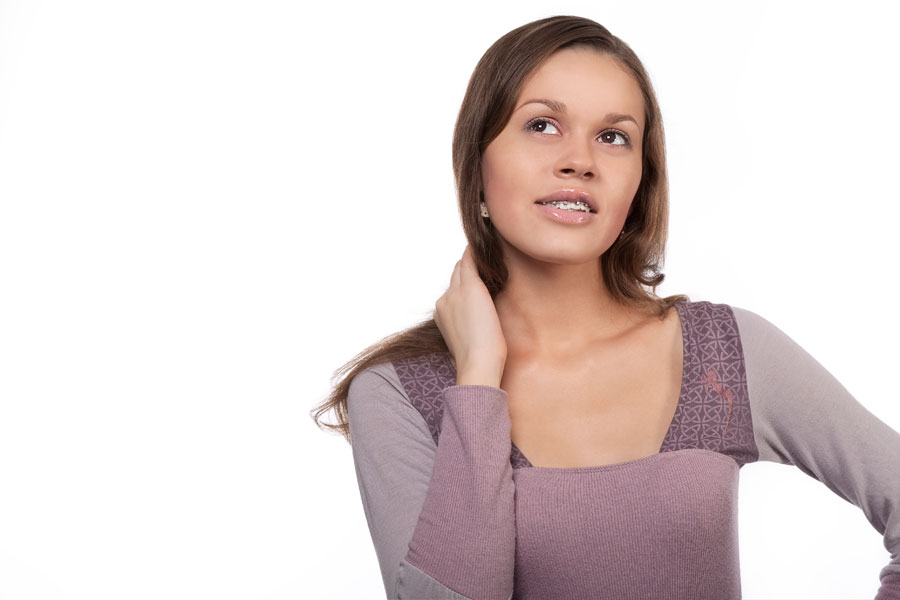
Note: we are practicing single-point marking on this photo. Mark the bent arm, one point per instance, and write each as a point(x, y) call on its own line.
point(803, 416)
point(441, 516)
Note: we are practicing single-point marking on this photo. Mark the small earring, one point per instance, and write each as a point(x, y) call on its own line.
point(484, 211)
point(621, 234)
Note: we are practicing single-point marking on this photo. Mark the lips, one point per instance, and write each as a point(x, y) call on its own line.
point(570, 195)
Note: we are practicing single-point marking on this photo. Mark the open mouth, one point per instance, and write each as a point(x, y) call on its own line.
point(576, 206)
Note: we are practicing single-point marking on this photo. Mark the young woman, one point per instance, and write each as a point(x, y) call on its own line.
point(558, 430)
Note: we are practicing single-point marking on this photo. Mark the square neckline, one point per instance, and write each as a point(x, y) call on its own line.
point(686, 349)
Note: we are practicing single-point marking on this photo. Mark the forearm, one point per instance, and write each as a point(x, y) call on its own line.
point(465, 536)
point(441, 515)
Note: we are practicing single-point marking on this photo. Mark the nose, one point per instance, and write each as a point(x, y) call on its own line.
point(577, 160)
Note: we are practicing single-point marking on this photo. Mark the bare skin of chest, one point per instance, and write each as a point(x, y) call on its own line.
point(612, 403)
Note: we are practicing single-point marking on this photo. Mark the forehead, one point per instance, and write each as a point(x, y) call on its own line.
point(587, 81)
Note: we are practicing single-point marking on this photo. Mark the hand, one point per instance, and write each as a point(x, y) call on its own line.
point(468, 321)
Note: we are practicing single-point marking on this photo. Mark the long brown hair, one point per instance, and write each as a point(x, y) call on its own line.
point(631, 264)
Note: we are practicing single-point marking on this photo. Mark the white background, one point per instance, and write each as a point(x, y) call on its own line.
point(208, 207)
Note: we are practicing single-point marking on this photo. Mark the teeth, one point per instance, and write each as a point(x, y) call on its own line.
point(566, 205)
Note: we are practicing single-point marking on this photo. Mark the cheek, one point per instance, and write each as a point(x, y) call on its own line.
point(504, 175)
point(631, 179)
point(495, 181)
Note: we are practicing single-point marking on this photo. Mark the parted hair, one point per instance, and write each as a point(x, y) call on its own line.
point(631, 267)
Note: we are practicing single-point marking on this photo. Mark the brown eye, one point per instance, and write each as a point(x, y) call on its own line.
point(540, 126)
point(610, 137)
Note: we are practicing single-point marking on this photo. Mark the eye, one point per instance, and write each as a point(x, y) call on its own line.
point(539, 125)
point(611, 134)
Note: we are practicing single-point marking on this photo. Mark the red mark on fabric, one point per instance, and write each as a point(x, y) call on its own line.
point(711, 379)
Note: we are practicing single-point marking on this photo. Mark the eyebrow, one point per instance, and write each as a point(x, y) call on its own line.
point(561, 107)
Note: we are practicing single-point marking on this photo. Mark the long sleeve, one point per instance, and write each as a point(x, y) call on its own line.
point(803, 416)
point(441, 516)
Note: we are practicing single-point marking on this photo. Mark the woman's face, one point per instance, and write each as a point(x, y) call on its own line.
point(568, 132)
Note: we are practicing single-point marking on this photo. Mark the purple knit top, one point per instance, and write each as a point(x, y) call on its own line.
point(457, 511)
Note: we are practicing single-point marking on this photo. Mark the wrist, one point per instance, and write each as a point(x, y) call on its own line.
point(480, 376)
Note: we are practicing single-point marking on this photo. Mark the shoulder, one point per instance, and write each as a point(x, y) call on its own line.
point(722, 331)
point(380, 411)
point(705, 309)
point(773, 360)
point(750, 321)
point(374, 389)
point(759, 335)
point(408, 390)
point(748, 324)
point(376, 377)
point(704, 322)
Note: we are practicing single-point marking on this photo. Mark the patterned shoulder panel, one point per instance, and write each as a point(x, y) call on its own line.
point(713, 411)
point(424, 379)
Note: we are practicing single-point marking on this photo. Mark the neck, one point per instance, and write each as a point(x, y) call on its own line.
point(548, 309)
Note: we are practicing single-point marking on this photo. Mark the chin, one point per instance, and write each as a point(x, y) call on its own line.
point(566, 256)
point(560, 253)
point(572, 260)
